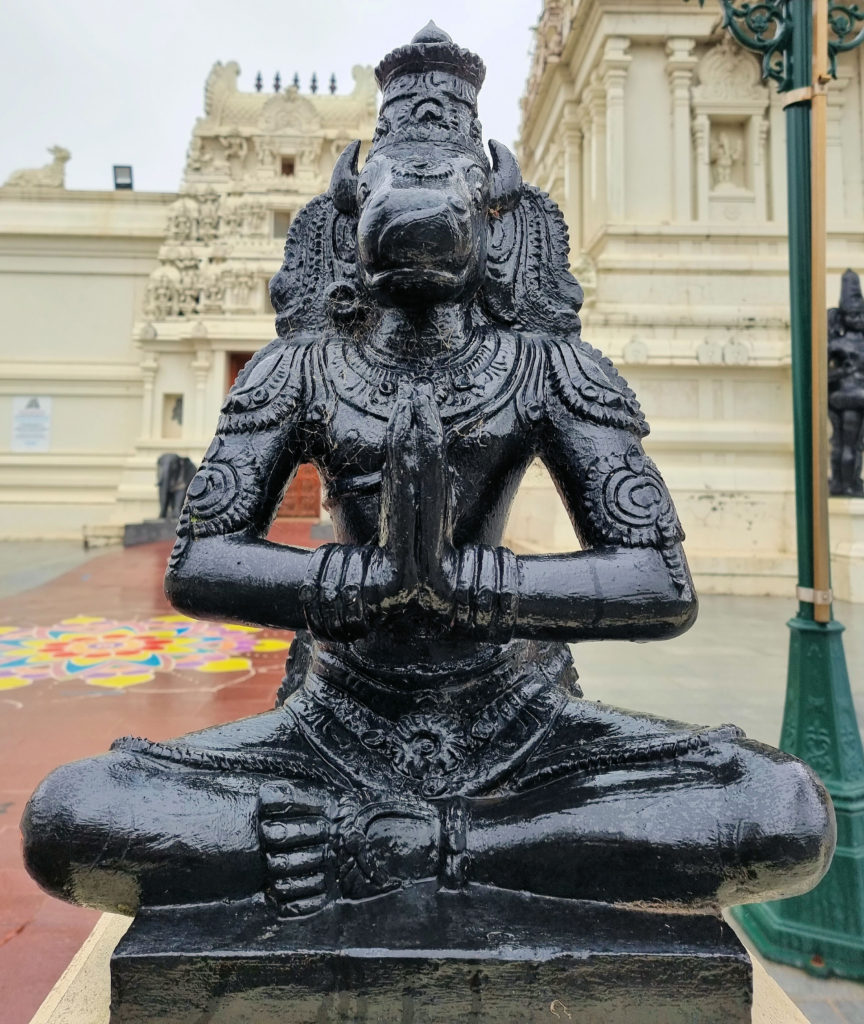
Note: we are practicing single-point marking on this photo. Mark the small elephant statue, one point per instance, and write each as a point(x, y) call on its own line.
point(173, 475)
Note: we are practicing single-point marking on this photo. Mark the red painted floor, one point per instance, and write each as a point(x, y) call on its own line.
point(79, 686)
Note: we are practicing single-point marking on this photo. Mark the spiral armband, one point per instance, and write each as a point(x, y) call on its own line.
point(332, 592)
point(486, 595)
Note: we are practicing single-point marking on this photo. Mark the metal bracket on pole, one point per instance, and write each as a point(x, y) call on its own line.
point(804, 95)
point(797, 96)
point(811, 596)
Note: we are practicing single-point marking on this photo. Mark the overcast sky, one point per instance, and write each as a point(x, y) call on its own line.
point(122, 81)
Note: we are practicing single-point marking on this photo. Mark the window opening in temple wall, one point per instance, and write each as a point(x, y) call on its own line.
point(172, 415)
point(286, 166)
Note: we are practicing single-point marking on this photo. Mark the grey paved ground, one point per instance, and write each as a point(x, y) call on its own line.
point(730, 667)
point(27, 564)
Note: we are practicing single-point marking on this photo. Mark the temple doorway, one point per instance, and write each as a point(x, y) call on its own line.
point(303, 498)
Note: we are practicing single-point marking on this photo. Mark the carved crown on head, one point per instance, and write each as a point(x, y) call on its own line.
point(432, 49)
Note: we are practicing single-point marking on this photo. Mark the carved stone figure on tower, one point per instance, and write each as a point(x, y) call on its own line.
point(846, 388)
point(430, 727)
point(725, 154)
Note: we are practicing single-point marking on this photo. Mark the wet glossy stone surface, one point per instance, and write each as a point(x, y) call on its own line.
point(430, 750)
point(425, 956)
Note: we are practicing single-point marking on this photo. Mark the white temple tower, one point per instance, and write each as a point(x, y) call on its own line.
point(254, 160)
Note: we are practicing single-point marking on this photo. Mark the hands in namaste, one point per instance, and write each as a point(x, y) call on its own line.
point(416, 561)
point(413, 574)
point(412, 568)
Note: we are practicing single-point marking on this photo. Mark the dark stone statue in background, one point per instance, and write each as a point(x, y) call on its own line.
point(174, 473)
point(430, 735)
point(846, 388)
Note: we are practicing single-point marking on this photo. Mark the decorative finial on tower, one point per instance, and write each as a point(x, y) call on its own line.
point(333, 85)
point(295, 81)
point(313, 85)
point(277, 82)
point(259, 82)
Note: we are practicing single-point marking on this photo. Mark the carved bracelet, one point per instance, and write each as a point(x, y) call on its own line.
point(486, 594)
point(332, 592)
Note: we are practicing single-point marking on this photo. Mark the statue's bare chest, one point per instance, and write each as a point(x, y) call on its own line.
point(480, 395)
point(354, 392)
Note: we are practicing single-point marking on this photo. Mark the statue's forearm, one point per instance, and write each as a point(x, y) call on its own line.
point(587, 595)
point(240, 579)
point(334, 590)
point(637, 593)
point(615, 593)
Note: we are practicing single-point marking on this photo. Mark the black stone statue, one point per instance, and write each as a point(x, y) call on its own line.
point(174, 473)
point(846, 388)
point(430, 730)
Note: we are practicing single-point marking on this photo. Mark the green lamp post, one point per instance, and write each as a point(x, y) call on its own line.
point(822, 931)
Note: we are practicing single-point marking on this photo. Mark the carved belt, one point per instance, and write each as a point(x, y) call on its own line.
point(443, 741)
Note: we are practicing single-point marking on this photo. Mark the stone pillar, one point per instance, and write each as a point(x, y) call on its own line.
point(679, 67)
point(201, 366)
point(777, 148)
point(572, 147)
point(844, 203)
point(702, 143)
point(759, 141)
point(594, 135)
point(613, 70)
point(149, 366)
point(597, 118)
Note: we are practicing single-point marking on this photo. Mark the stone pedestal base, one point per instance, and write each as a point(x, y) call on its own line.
point(149, 531)
point(428, 957)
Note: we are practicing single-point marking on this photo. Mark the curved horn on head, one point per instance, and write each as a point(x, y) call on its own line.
point(343, 183)
point(506, 177)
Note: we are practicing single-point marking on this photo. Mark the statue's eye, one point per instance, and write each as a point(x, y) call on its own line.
point(428, 112)
point(362, 192)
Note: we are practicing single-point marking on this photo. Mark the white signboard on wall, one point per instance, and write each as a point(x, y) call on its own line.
point(31, 423)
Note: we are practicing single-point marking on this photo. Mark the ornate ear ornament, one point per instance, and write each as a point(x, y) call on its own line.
point(528, 280)
point(343, 183)
point(506, 187)
point(317, 283)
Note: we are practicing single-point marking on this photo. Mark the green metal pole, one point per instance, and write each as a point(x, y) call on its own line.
point(822, 931)
point(798, 191)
